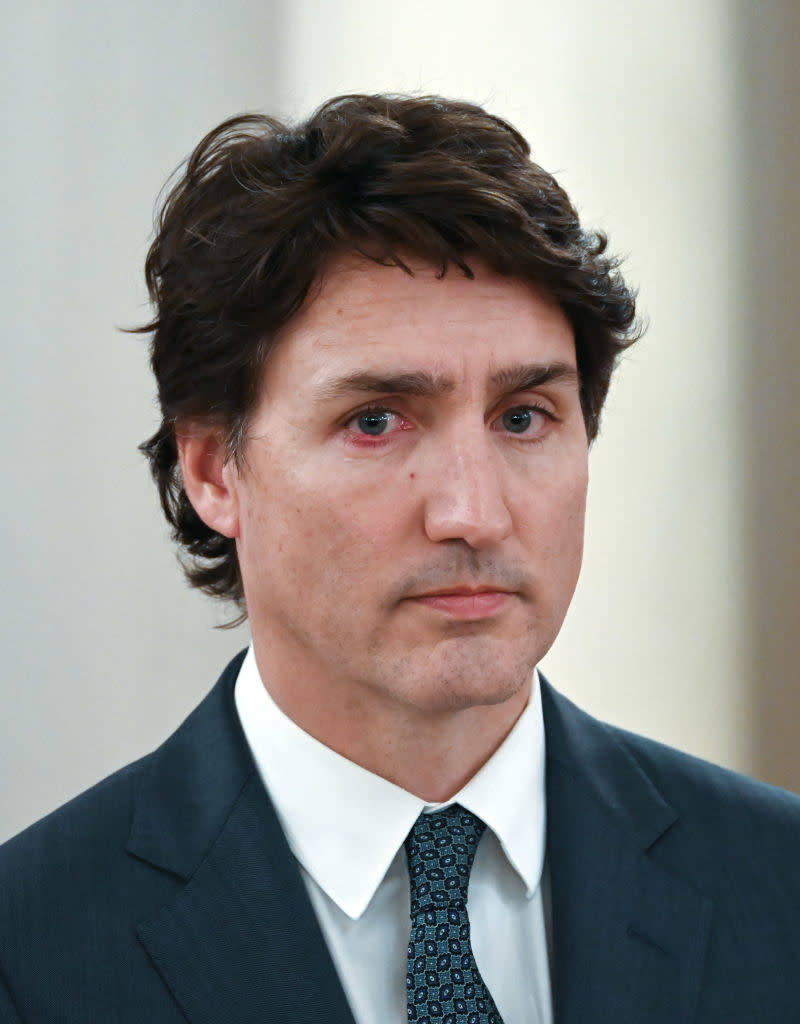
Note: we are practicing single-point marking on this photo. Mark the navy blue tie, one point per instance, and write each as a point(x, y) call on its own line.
point(444, 984)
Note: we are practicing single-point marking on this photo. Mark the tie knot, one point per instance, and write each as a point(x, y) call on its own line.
point(440, 850)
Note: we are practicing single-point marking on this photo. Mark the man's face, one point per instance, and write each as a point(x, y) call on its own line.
point(411, 500)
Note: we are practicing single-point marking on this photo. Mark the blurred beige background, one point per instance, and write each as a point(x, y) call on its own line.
point(674, 125)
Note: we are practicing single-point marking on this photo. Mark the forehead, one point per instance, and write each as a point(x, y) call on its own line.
point(366, 315)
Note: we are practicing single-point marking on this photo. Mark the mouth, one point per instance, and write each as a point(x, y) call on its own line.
point(468, 603)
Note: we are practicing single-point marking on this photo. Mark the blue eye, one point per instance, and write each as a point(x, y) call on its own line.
point(373, 421)
point(518, 420)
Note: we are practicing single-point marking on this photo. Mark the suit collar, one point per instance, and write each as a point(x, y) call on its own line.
point(590, 752)
point(241, 942)
point(629, 937)
point(191, 783)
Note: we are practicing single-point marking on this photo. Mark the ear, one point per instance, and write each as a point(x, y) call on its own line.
point(209, 477)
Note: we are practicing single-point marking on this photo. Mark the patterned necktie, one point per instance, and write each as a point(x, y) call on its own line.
point(444, 984)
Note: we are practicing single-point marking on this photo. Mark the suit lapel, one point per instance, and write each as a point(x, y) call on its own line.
point(241, 942)
point(629, 938)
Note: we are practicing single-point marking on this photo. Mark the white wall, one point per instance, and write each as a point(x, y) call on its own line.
point(662, 124)
point(104, 648)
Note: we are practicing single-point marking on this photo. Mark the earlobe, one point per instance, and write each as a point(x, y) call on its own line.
point(209, 477)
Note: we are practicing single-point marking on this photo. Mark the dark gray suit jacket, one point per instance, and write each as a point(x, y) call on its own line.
point(167, 893)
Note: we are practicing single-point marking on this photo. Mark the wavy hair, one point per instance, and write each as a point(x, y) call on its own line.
point(260, 206)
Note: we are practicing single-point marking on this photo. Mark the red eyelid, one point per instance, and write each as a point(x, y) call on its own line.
point(375, 440)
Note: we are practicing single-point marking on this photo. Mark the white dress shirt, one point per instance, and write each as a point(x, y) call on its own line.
point(346, 827)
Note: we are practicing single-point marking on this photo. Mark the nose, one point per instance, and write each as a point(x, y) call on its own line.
point(466, 496)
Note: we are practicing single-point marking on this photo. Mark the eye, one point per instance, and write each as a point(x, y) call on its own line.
point(523, 419)
point(375, 422)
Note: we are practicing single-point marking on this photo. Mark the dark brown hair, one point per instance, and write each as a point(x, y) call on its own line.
point(260, 208)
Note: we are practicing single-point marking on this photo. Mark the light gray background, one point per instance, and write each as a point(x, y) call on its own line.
point(673, 124)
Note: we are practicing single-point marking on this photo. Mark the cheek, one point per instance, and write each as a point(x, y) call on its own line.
point(554, 520)
point(360, 535)
point(328, 531)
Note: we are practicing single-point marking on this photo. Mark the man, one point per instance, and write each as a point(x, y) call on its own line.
point(382, 344)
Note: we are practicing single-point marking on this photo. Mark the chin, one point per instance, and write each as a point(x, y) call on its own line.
point(475, 682)
point(446, 699)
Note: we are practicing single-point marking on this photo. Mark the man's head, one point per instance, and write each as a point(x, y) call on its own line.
point(262, 210)
point(408, 511)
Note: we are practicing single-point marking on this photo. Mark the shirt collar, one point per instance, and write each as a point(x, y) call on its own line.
point(330, 807)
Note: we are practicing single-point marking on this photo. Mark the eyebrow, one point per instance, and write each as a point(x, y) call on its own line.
point(527, 376)
point(421, 384)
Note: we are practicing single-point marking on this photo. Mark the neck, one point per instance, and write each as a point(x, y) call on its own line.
point(434, 759)
point(430, 752)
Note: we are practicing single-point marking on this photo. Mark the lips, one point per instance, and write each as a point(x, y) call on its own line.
point(465, 590)
point(467, 603)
